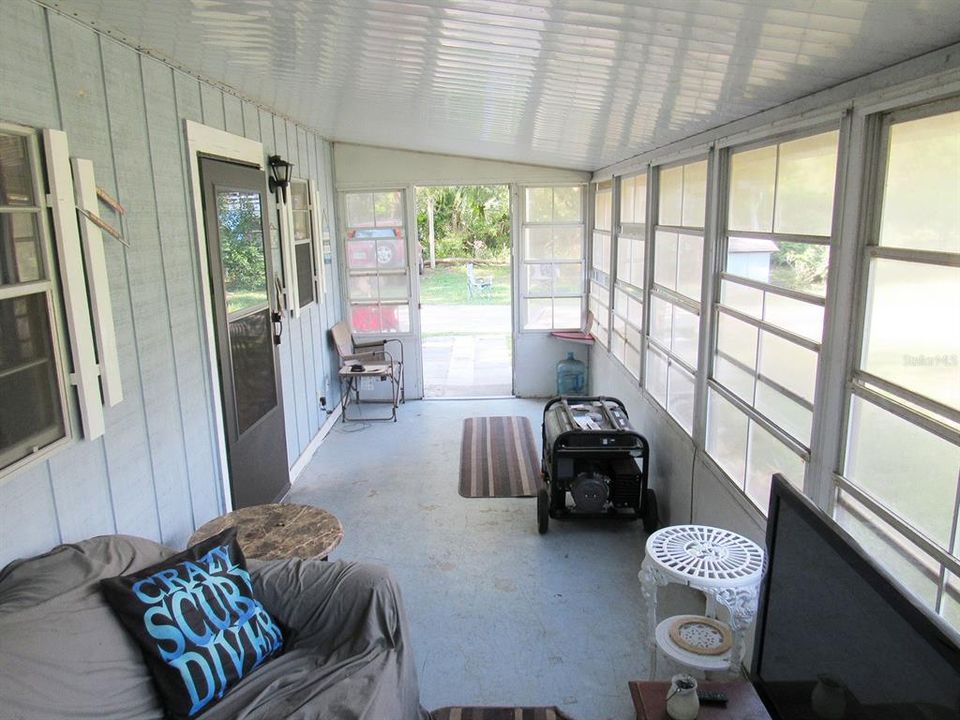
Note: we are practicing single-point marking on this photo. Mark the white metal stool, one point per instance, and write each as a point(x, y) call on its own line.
point(724, 566)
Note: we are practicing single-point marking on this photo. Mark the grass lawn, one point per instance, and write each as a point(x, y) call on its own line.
point(447, 285)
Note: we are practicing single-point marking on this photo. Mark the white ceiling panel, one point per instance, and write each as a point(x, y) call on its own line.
point(570, 83)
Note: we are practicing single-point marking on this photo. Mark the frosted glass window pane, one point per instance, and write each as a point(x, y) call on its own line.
point(753, 176)
point(569, 279)
point(909, 470)
point(640, 199)
point(623, 260)
point(566, 313)
point(951, 602)
point(767, 456)
point(694, 194)
point(746, 299)
point(784, 412)
point(363, 287)
point(359, 209)
point(661, 320)
point(396, 318)
point(637, 262)
point(603, 200)
point(539, 314)
point(686, 334)
point(620, 302)
point(626, 199)
point(567, 205)
point(388, 209)
point(921, 191)
point(788, 364)
point(619, 325)
point(680, 396)
point(671, 196)
point(913, 328)
point(298, 195)
point(635, 312)
point(537, 243)
point(539, 279)
point(805, 184)
point(568, 242)
point(365, 318)
point(393, 287)
point(737, 339)
point(727, 437)
point(617, 346)
point(633, 336)
point(539, 205)
point(734, 378)
point(656, 376)
point(665, 259)
point(690, 266)
point(797, 316)
point(915, 569)
point(631, 360)
point(601, 251)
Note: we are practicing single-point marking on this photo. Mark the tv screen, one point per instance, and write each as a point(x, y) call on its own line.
point(835, 637)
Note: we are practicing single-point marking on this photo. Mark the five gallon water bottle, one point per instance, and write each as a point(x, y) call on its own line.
point(571, 376)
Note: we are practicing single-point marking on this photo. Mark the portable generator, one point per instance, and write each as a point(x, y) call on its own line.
point(591, 452)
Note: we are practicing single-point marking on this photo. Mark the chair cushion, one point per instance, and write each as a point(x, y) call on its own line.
point(197, 621)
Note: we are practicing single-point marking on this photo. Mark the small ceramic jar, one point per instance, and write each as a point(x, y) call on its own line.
point(682, 700)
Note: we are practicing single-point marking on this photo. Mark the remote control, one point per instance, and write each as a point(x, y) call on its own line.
point(712, 697)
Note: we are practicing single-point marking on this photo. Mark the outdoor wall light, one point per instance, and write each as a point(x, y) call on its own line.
point(279, 175)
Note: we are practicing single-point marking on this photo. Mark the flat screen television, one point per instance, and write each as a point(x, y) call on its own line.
point(836, 638)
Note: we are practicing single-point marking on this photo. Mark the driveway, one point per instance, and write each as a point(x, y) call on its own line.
point(465, 319)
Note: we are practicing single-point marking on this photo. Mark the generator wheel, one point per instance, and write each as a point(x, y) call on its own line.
point(651, 516)
point(543, 510)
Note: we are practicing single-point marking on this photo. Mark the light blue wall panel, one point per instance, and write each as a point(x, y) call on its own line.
point(212, 101)
point(25, 53)
point(155, 471)
point(148, 291)
point(180, 273)
point(232, 114)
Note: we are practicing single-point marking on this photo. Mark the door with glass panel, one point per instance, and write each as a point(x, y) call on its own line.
point(246, 329)
point(377, 262)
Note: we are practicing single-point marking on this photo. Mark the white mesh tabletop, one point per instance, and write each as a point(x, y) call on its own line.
point(706, 556)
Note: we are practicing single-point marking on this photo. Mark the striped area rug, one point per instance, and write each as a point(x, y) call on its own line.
point(498, 458)
point(499, 713)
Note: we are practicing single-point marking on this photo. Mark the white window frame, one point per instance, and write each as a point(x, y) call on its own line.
point(313, 240)
point(625, 331)
point(795, 445)
point(600, 270)
point(524, 261)
point(49, 288)
point(897, 401)
point(673, 298)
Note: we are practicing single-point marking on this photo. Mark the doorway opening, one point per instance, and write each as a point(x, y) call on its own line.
point(465, 290)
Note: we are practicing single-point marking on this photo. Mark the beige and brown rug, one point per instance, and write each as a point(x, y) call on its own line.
point(499, 713)
point(498, 458)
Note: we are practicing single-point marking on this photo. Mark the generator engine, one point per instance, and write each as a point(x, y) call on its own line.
point(593, 455)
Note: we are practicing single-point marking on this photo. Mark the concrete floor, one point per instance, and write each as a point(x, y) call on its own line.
point(499, 615)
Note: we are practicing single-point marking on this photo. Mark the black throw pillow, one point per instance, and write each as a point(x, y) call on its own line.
point(197, 621)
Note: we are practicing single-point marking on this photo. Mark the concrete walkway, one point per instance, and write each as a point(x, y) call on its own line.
point(467, 350)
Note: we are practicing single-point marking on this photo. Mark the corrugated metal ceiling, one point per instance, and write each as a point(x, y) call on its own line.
point(570, 83)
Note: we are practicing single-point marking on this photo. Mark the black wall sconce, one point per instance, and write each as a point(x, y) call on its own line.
point(279, 175)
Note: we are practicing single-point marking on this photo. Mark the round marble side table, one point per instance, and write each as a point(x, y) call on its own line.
point(278, 531)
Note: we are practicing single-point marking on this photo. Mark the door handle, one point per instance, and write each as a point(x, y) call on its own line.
point(277, 319)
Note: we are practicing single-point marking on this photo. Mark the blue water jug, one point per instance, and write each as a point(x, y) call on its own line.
point(571, 376)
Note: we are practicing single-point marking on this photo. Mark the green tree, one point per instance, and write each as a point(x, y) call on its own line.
point(469, 220)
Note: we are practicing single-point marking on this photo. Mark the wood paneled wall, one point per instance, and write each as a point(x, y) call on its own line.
point(155, 471)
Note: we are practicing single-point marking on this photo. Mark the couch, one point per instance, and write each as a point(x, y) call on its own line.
point(64, 655)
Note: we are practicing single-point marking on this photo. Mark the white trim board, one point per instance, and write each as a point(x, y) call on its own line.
point(308, 452)
point(204, 140)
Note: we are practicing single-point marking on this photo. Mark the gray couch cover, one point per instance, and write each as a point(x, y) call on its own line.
point(64, 655)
